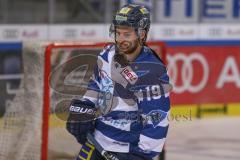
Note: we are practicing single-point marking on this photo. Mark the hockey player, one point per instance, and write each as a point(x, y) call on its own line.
point(130, 87)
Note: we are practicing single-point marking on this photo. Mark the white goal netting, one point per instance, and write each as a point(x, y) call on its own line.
point(21, 126)
point(20, 133)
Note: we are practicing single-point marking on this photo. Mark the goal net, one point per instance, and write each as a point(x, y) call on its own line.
point(33, 126)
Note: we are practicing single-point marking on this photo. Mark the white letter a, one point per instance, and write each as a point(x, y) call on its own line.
point(225, 77)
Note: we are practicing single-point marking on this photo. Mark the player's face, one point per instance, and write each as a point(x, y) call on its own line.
point(126, 39)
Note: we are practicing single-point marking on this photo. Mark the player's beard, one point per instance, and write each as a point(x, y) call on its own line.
point(127, 47)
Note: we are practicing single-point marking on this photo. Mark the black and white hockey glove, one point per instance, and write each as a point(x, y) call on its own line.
point(81, 119)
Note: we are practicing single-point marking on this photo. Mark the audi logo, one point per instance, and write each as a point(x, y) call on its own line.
point(70, 33)
point(186, 72)
point(10, 33)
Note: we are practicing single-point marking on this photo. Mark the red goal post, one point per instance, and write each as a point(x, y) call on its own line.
point(159, 47)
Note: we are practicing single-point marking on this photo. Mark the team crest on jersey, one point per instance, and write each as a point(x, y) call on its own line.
point(156, 116)
point(106, 92)
point(106, 80)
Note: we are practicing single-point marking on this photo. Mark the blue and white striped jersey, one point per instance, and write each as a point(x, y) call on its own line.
point(134, 100)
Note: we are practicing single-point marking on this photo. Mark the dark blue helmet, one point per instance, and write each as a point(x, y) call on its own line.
point(131, 15)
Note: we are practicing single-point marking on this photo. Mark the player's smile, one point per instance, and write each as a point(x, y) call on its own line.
point(124, 45)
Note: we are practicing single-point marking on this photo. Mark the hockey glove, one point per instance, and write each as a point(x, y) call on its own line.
point(81, 119)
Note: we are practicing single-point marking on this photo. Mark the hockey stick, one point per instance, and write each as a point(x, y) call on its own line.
point(104, 153)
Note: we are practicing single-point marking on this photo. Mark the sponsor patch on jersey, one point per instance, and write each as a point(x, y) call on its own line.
point(129, 75)
point(142, 73)
point(121, 143)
